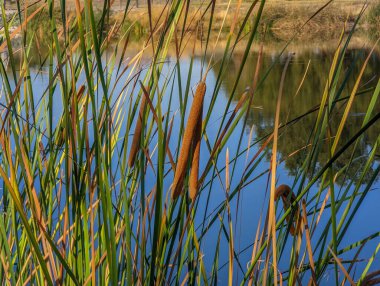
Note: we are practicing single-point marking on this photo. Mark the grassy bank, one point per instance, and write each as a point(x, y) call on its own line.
point(280, 22)
point(282, 18)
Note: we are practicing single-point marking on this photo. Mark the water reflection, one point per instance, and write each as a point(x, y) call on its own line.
point(307, 74)
point(315, 67)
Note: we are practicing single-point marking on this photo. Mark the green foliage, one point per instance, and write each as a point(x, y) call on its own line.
point(76, 212)
point(373, 15)
point(135, 29)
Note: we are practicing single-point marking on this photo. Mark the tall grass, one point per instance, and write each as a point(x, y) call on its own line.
point(95, 179)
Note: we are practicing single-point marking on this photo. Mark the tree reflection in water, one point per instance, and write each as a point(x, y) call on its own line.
point(294, 138)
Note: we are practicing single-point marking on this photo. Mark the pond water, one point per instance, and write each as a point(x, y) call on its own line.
point(304, 83)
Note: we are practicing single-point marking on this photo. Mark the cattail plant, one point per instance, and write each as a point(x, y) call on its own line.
point(137, 135)
point(76, 206)
point(194, 172)
point(288, 198)
point(192, 128)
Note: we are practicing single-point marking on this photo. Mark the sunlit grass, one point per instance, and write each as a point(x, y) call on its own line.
point(102, 176)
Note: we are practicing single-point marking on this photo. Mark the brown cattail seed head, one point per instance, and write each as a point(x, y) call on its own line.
point(137, 135)
point(195, 111)
point(193, 180)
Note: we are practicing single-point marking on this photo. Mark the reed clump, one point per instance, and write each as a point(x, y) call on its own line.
point(93, 169)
